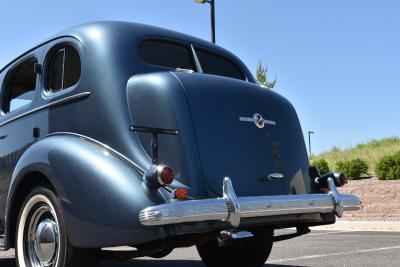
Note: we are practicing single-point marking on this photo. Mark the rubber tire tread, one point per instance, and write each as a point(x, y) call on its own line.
point(254, 254)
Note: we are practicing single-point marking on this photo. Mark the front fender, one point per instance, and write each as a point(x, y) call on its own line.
point(99, 191)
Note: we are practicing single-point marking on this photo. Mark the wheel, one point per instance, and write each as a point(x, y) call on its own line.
point(41, 236)
point(249, 254)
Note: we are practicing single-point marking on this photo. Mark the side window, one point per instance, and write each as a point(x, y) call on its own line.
point(166, 54)
point(20, 88)
point(63, 68)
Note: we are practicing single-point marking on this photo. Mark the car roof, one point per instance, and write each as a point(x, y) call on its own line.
point(96, 31)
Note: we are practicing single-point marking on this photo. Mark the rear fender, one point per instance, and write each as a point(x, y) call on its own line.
point(99, 190)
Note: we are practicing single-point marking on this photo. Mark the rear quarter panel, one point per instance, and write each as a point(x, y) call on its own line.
point(101, 194)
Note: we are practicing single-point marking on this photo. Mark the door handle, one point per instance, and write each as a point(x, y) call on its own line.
point(275, 176)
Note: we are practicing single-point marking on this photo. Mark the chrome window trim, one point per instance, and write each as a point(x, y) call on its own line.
point(196, 60)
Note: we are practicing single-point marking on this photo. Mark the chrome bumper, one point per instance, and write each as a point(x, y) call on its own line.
point(232, 209)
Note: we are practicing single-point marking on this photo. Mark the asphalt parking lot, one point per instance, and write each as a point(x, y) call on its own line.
point(319, 248)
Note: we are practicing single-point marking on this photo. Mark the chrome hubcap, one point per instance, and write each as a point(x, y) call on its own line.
point(43, 238)
point(45, 241)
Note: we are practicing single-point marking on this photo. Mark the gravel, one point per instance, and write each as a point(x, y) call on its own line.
point(380, 199)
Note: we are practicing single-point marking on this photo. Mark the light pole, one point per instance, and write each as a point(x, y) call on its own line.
point(212, 4)
point(309, 142)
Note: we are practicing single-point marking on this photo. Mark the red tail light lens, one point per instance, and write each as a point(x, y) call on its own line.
point(165, 175)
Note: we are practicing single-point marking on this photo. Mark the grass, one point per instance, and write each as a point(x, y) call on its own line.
point(371, 152)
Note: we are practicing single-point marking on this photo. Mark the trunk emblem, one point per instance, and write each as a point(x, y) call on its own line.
point(258, 120)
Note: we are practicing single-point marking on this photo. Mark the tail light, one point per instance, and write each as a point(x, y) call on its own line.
point(159, 175)
point(165, 175)
point(340, 179)
point(181, 193)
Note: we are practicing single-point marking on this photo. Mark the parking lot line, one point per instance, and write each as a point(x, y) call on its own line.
point(334, 254)
point(330, 232)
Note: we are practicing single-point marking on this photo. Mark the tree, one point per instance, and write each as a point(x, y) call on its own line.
point(261, 76)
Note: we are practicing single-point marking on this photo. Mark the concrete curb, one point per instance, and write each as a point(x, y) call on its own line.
point(388, 226)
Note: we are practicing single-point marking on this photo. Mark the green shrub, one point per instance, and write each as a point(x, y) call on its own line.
point(353, 169)
point(388, 167)
point(321, 165)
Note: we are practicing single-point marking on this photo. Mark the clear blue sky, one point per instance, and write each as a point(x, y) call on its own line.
point(337, 61)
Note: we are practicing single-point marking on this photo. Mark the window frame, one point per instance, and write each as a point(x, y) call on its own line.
point(51, 49)
point(7, 82)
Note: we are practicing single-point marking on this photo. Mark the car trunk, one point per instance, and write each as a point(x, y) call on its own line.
point(217, 134)
point(231, 145)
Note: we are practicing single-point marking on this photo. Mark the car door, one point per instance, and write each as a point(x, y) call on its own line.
point(19, 92)
point(60, 87)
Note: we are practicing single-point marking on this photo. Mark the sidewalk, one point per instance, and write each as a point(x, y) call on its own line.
point(390, 226)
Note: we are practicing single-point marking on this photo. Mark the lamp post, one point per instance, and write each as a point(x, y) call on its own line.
point(309, 142)
point(212, 4)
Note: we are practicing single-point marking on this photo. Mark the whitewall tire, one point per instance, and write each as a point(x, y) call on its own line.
point(41, 236)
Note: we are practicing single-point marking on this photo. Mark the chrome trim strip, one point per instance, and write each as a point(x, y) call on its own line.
point(58, 102)
point(196, 60)
point(247, 119)
point(113, 151)
point(269, 122)
point(232, 209)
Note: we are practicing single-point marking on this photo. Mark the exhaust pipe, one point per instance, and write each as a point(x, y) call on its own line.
point(227, 237)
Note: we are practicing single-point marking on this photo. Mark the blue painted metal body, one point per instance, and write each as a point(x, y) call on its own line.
point(86, 152)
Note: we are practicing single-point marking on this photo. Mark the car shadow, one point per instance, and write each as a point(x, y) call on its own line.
point(168, 263)
point(9, 262)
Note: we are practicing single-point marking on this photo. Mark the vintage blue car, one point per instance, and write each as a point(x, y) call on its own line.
point(119, 134)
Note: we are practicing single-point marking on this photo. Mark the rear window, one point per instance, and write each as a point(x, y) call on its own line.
point(166, 54)
point(215, 64)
